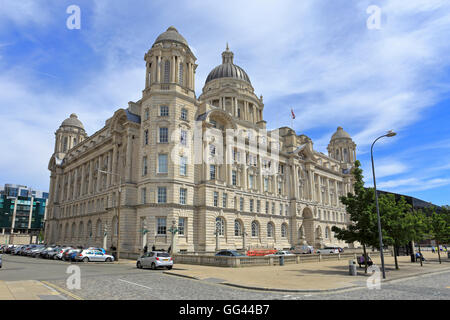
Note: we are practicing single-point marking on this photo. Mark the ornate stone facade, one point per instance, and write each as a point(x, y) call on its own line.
point(177, 166)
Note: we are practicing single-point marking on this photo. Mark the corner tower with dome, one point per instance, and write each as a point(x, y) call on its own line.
point(234, 198)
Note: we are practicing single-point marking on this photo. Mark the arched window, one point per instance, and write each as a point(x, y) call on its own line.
point(326, 233)
point(255, 229)
point(220, 226)
point(237, 228)
point(74, 230)
point(115, 226)
point(81, 230)
point(98, 228)
point(65, 144)
point(167, 71)
point(180, 74)
point(269, 230)
point(89, 229)
point(284, 230)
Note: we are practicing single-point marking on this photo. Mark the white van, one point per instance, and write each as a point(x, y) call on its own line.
point(303, 249)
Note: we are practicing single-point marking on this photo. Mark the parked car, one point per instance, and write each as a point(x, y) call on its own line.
point(229, 253)
point(71, 255)
point(281, 253)
point(59, 255)
point(9, 248)
point(88, 255)
point(36, 252)
point(50, 254)
point(16, 250)
point(155, 259)
point(328, 250)
point(99, 249)
point(43, 253)
point(302, 249)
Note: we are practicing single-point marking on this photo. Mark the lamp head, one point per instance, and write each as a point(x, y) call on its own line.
point(391, 133)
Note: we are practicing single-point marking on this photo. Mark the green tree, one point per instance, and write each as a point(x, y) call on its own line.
point(397, 221)
point(419, 228)
point(440, 228)
point(361, 208)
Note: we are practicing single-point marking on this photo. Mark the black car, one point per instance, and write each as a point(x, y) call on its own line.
point(229, 253)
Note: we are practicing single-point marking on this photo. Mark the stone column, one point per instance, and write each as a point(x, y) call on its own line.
point(109, 176)
point(114, 164)
point(128, 158)
point(91, 164)
point(158, 69)
point(74, 191)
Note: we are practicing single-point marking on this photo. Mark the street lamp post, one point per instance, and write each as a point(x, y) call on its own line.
point(389, 134)
point(118, 211)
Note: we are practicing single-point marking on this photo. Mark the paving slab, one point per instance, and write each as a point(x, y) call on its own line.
point(26, 290)
point(310, 276)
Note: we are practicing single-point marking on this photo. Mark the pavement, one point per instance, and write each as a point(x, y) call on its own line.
point(324, 276)
point(27, 290)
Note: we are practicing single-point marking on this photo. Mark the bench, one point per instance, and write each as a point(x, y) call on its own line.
point(360, 261)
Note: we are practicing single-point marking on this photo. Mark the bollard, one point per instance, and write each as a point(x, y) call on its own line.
point(281, 260)
point(352, 267)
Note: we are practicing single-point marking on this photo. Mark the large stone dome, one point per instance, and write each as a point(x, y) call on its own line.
point(73, 122)
point(171, 35)
point(227, 69)
point(340, 134)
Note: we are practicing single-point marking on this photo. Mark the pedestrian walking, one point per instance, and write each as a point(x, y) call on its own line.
point(169, 250)
point(153, 248)
point(145, 249)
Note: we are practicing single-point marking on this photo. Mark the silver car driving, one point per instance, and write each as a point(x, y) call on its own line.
point(155, 259)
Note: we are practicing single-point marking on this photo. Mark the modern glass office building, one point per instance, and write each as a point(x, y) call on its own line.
point(22, 210)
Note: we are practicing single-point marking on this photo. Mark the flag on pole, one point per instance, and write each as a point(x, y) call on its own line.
point(293, 114)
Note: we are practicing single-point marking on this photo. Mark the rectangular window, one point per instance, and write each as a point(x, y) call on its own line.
point(163, 135)
point(164, 111)
point(147, 114)
point(216, 198)
point(144, 195)
point(267, 207)
point(281, 209)
point(161, 226)
point(251, 183)
point(183, 137)
point(212, 149)
point(233, 177)
point(181, 226)
point(251, 205)
point(241, 204)
point(224, 200)
point(184, 114)
point(146, 137)
point(183, 166)
point(212, 172)
point(162, 194)
point(183, 193)
point(279, 187)
point(162, 163)
point(144, 166)
point(273, 207)
point(258, 206)
point(266, 184)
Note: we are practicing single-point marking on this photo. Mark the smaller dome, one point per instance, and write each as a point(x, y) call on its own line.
point(171, 34)
point(340, 134)
point(73, 121)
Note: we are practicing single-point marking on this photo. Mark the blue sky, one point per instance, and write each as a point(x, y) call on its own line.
point(317, 57)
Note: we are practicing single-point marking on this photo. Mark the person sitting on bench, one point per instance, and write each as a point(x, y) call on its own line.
point(361, 261)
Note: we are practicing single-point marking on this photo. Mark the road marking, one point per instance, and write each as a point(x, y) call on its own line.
point(136, 284)
point(70, 294)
